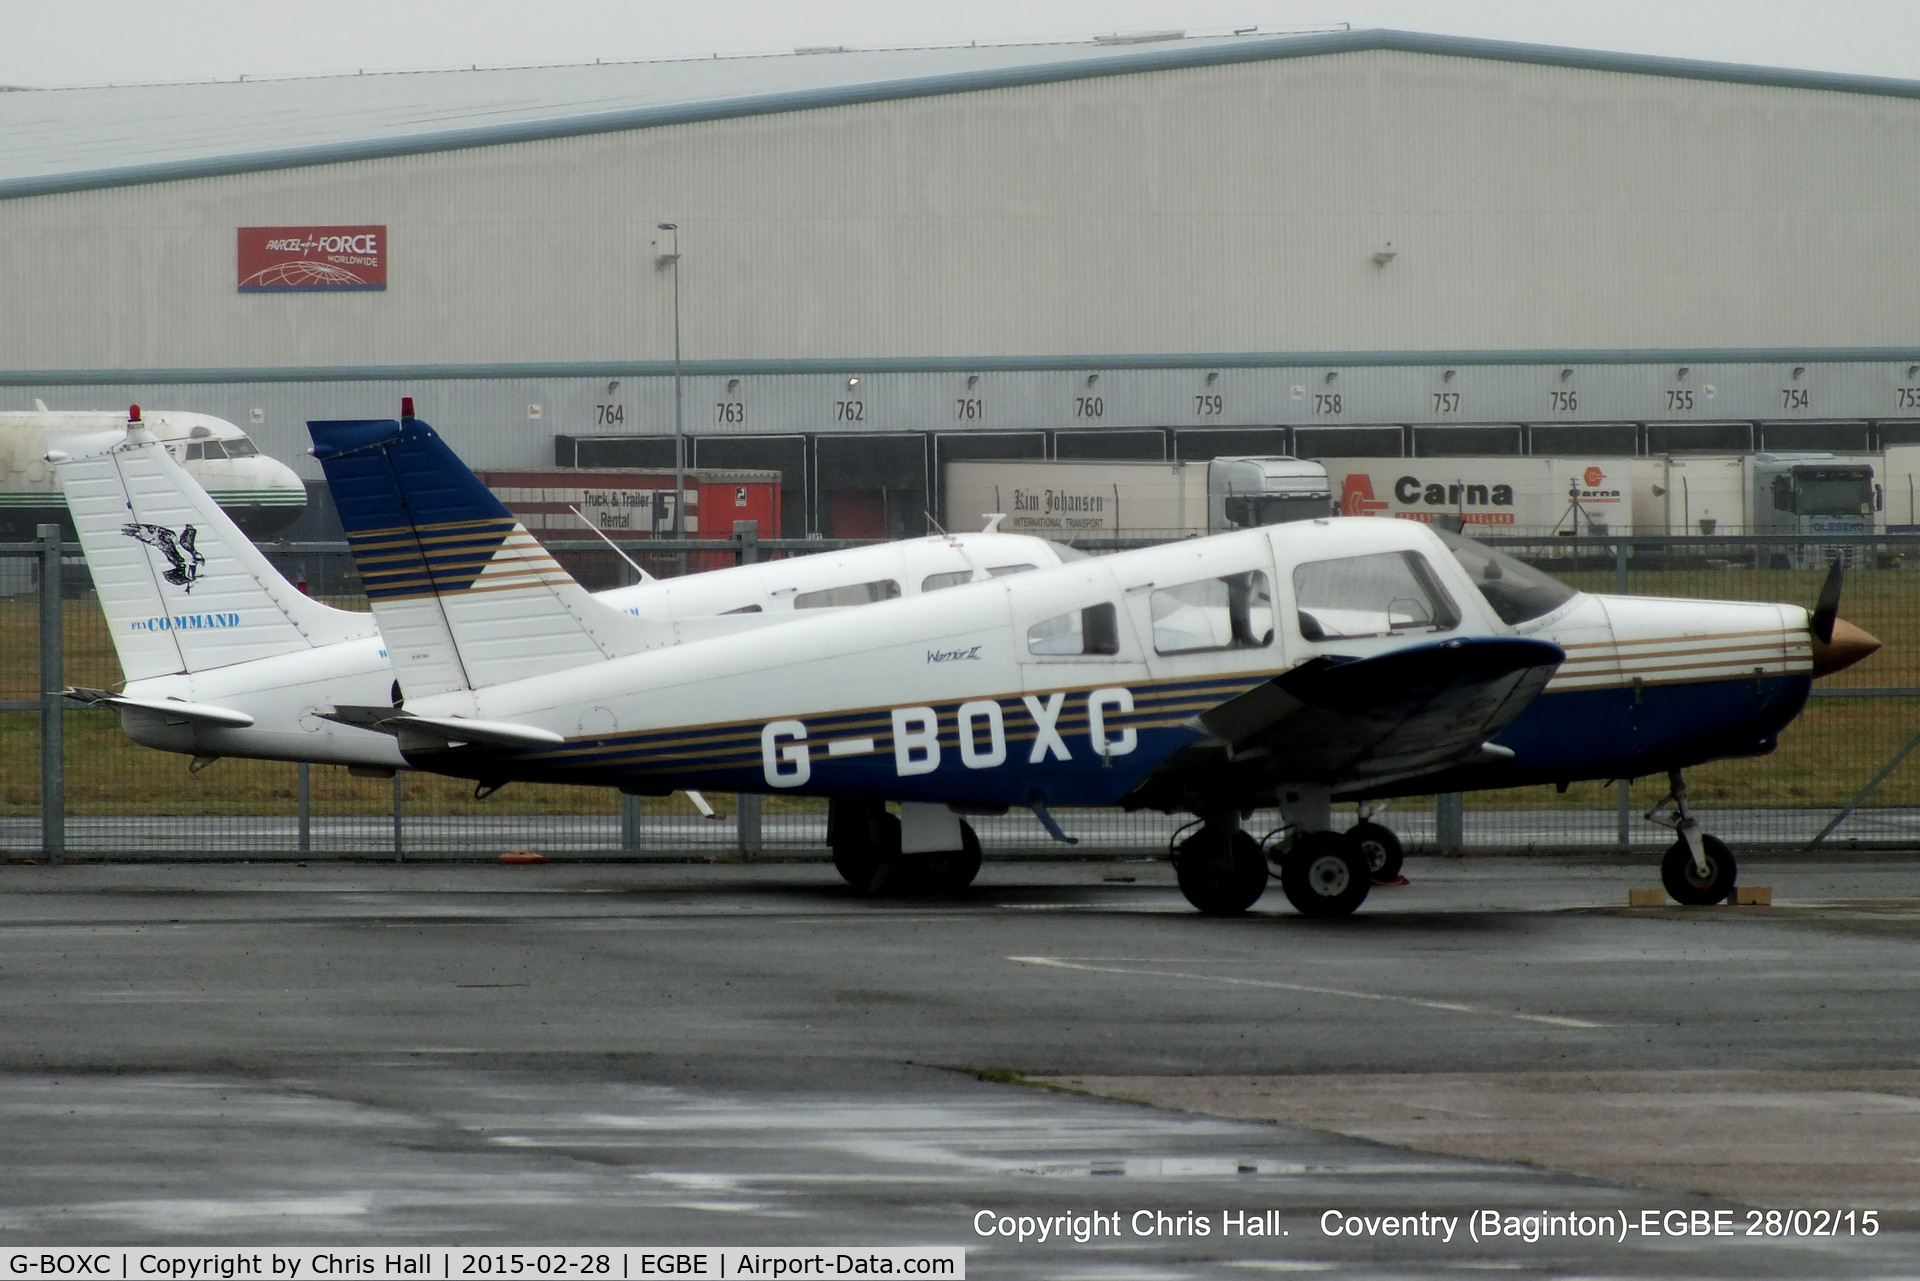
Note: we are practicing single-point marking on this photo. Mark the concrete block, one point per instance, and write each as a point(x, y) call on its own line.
point(1655, 897)
point(1752, 896)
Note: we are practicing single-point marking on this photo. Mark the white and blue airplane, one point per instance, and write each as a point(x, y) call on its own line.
point(223, 657)
point(1291, 666)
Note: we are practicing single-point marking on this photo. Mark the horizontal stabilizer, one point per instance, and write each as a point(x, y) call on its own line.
point(172, 708)
point(453, 731)
point(1402, 712)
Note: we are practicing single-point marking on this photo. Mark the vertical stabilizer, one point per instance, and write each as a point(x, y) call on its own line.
point(182, 588)
point(465, 596)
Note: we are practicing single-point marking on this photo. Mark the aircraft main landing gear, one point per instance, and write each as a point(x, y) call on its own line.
point(1326, 874)
point(1220, 868)
point(1384, 854)
point(1698, 870)
point(866, 842)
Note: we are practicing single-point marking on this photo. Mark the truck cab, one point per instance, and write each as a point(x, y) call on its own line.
point(1247, 492)
point(1811, 495)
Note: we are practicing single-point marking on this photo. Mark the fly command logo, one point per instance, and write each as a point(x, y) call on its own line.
point(312, 259)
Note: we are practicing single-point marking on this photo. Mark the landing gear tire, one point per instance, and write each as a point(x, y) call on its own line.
point(1683, 880)
point(1325, 875)
point(1382, 848)
point(1221, 871)
point(864, 856)
point(951, 871)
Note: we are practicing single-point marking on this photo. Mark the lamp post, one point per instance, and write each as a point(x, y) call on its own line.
point(661, 262)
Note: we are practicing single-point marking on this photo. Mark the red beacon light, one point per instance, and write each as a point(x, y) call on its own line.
point(406, 406)
point(133, 413)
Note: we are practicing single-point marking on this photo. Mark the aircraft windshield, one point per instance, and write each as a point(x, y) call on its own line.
point(1516, 590)
point(1832, 493)
point(1273, 509)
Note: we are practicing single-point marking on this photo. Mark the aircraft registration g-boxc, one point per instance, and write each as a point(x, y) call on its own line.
point(224, 657)
point(1289, 666)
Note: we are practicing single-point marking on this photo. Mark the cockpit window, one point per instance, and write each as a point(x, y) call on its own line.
point(1387, 593)
point(1516, 590)
point(1002, 571)
point(1233, 612)
point(241, 448)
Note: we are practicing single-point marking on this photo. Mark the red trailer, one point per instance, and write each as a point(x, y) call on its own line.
point(636, 503)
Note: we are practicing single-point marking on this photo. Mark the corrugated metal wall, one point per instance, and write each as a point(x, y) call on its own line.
point(1228, 209)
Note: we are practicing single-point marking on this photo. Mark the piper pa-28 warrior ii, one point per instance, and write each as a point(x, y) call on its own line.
point(224, 657)
point(1289, 666)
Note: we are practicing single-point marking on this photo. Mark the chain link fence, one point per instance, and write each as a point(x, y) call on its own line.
point(76, 787)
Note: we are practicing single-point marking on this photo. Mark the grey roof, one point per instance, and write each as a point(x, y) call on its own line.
point(54, 140)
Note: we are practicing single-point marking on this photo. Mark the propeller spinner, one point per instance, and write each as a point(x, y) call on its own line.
point(1837, 643)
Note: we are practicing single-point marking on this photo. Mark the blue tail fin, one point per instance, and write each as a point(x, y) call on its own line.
point(464, 595)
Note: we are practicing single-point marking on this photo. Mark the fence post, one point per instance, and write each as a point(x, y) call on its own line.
point(53, 736)
point(399, 804)
point(303, 775)
point(1623, 799)
point(630, 815)
point(1450, 822)
point(746, 817)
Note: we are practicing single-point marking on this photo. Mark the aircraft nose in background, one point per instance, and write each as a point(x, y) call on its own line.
point(1849, 645)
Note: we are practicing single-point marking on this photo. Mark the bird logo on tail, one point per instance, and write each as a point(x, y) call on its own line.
point(177, 548)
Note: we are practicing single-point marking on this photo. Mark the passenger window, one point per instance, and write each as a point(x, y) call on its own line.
point(934, 582)
point(1093, 630)
point(1231, 612)
point(1384, 594)
point(1001, 571)
point(851, 594)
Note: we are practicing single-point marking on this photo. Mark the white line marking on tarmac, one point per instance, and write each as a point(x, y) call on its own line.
point(1451, 1007)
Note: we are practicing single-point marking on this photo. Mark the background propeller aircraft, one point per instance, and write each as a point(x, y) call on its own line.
point(1290, 666)
point(224, 657)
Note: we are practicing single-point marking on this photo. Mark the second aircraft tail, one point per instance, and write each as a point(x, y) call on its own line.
point(465, 596)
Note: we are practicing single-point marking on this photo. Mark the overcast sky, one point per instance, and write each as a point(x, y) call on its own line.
point(78, 42)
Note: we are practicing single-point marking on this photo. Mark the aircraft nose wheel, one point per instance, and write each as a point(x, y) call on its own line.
point(1325, 874)
point(1382, 848)
point(1684, 881)
point(1221, 870)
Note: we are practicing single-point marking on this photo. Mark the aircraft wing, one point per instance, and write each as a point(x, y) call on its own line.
point(428, 733)
point(173, 709)
point(1406, 712)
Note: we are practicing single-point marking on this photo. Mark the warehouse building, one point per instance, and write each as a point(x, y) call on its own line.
point(1353, 243)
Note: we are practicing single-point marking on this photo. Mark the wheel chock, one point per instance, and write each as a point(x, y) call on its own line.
point(522, 856)
point(1655, 897)
point(1398, 880)
point(1751, 896)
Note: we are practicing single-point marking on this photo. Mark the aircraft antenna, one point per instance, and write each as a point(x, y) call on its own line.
point(645, 577)
point(936, 524)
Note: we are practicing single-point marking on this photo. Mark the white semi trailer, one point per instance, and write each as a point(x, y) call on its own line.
point(1064, 500)
point(1527, 497)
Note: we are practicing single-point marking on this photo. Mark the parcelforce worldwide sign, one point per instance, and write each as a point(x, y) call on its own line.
point(278, 259)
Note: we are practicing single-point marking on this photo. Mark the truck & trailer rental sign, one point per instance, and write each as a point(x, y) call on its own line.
point(312, 259)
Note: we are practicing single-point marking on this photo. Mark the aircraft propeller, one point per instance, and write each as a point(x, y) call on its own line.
point(1837, 643)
